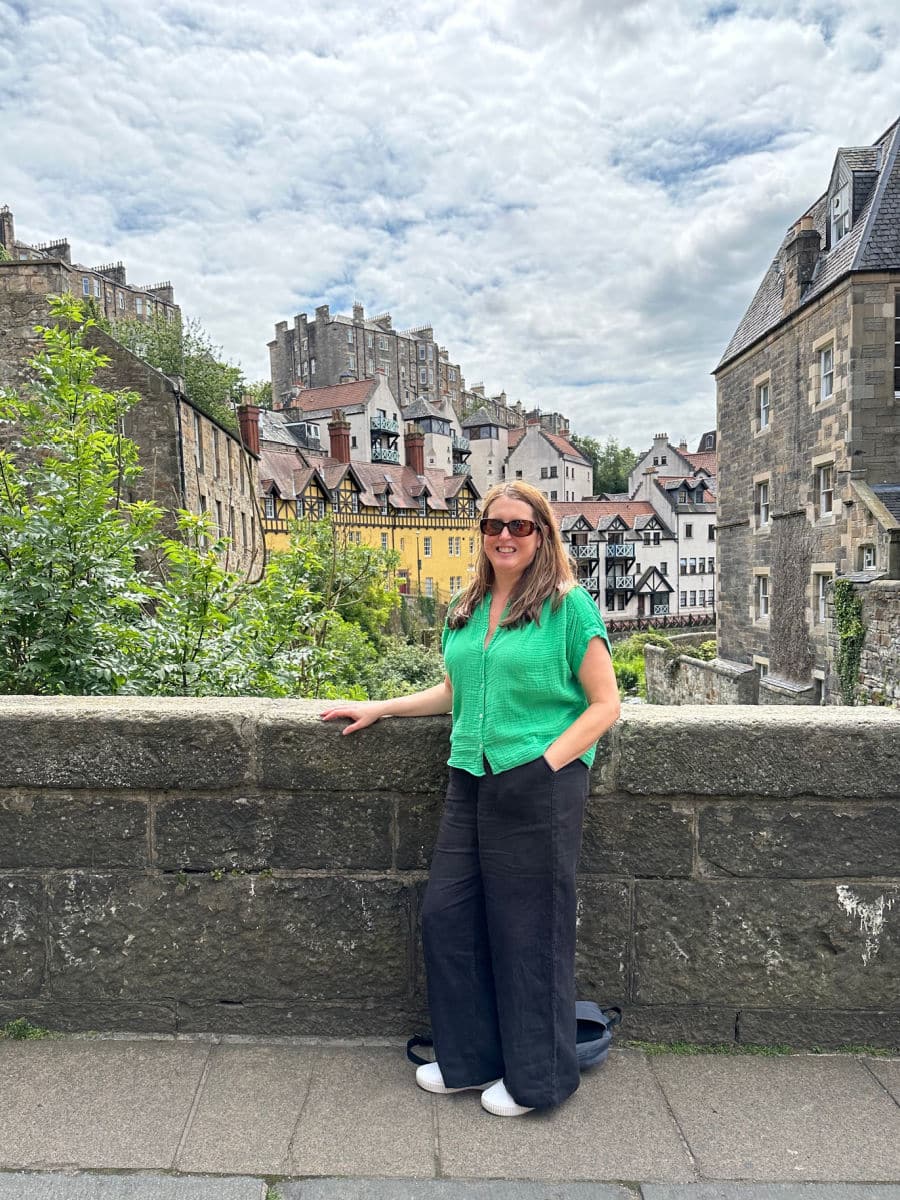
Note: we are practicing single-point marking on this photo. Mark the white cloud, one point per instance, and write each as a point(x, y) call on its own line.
point(581, 198)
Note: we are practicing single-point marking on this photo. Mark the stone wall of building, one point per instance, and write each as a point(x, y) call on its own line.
point(879, 670)
point(237, 866)
point(686, 680)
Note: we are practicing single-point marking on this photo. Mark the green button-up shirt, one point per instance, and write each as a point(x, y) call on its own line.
point(513, 700)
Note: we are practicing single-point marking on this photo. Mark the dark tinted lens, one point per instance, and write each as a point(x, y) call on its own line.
point(492, 526)
point(521, 528)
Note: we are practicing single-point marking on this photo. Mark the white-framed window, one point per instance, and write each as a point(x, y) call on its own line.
point(423, 375)
point(430, 352)
point(298, 507)
point(663, 568)
point(821, 580)
point(120, 301)
point(370, 340)
point(763, 514)
point(762, 666)
point(426, 547)
point(866, 558)
point(85, 285)
point(682, 599)
point(429, 586)
point(711, 597)
point(826, 372)
point(692, 566)
point(312, 366)
point(139, 306)
point(431, 375)
point(840, 214)
point(382, 342)
point(692, 599)
point(711, 565)
point(350, 363)
point(553, 495)
point(762, 598)
point(701, 598)
point(682, 566)
point(451, 375)
point(384, 541)
point(824, 489)
point(701, 566)
point(762, 405)
point(350, 338)
point(422, 352)
point(270, 507)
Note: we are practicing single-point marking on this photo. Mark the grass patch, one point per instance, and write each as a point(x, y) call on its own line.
point(21, 1030)
point(714, 1048)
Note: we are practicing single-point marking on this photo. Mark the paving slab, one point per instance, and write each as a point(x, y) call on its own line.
point(363, 1116)
point(770, 1191)
point(61, 1186)
point(246, 1113)
point(796, 1117)
point(96, 1103)
point(616, 1126)
point(887, 1072)
point(447, 1189)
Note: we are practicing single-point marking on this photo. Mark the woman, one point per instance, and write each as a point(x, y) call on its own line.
point(531, 688)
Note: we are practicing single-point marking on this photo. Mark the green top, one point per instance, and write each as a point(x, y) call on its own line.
point(512, 700)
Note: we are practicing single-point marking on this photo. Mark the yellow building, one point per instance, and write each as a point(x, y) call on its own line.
point(426, 517)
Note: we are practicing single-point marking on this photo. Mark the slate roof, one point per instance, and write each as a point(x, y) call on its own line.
point(889, 495)
point(421, 408)
point(871, 244)
point(481, 416)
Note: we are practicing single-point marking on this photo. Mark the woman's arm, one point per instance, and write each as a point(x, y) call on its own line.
point(430, 703)
point(597, 677)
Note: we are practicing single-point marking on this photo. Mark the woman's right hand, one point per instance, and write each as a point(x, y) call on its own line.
point(360, 712)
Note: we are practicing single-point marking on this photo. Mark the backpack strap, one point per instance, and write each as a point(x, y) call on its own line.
point(419, 1039)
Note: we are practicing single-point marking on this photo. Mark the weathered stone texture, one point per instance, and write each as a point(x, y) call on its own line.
point(240, 866)
point(788, 943)
point(814, 1029)
point(799, 841)
point(695, 681)
point(879, 668)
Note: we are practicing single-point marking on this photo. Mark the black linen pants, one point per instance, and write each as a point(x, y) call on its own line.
point(498, 928)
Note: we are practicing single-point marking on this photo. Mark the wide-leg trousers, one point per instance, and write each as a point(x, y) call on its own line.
point(498, 928)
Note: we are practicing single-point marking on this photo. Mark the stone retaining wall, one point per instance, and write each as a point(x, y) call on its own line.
point(238, 866)
point(687, 680)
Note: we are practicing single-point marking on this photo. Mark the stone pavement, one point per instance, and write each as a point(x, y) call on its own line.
point(191, 1118)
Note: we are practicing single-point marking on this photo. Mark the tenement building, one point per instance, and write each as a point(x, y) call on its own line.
point(808, 431)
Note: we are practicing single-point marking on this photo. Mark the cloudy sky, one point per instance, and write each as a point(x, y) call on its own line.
point(580, 197)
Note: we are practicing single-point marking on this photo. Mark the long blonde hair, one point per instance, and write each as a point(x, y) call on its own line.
point(548, 574)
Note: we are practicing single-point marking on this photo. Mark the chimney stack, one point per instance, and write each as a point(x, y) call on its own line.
point(414, 440)
point(248, 417)
point(800, 257)
point(339, 436)
point(7, 229)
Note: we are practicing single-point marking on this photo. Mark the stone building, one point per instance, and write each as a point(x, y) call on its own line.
point(188, 459)
point(809, 437)
point(105, 286)
point(424, 514)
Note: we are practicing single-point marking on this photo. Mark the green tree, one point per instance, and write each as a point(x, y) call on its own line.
point(260, 392)
point(612, 463)
point(184, 349)
point(68, 542)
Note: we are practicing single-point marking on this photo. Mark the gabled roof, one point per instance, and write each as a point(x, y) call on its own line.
point(647, 582)
point(481, 416)
point(324, 399)
point(515, 436)
point(422, 408)
point(889, 495)
point(601, 513)
point(703, 460)
point(871, 244)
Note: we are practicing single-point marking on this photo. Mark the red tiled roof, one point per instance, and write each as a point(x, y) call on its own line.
point(595, 510)
point(564, 446)
point(338, 396)
point(704, 459)
point(515, 436)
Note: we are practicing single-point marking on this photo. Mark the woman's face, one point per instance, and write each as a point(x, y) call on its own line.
point(508, 555)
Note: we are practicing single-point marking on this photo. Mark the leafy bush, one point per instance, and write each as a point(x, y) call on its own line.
point(628, 661)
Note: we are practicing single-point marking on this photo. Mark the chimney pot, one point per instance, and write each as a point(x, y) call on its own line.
point(339, 436)
point(414, 441)
point(248, 420)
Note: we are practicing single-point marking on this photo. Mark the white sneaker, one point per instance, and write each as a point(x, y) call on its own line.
point(429, 1077)
point(498, 1101)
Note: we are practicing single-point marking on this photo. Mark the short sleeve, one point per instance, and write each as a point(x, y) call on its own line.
point(583, 622)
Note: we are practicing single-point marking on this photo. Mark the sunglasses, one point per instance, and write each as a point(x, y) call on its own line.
point(493, 526)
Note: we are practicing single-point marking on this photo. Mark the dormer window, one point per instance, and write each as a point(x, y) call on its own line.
point(840, 214)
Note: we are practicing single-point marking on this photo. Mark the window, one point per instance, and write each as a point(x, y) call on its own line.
point(663, 460)
point(220, 528)
point(826, 372)
point(554, 472)
point(426, 547)
point(450, 546)
point(350, 364)
point(692, 566)
point(692, 600)
point(85, 285)
point(656, 462)
point(682, 497)
point(762, 597)
point(543, 472)
point(138, 306)
point(708, 441)
point(382, 342)
point(762, 504)
point(349, 337)
point(97, 291)
point(762, 405)
point(701, 598)
point(423, 375)
point(820, 596)
point(270, 507)
point(431, 375)
point(711, 567)
point(897, 341)
point(421, 353)
point(682, 566)
point(710, 597)
point(198, 442)
point(384, 541)
point(471, 545)
point(688, 531)
point(298, 507)
point(701, 566)
point(312, 366)
point(840, 214)
point(458, 547)
point(711, 532)
point(430, 352)
point(518, 474)
point(866, 558)
point(682, 599)
point(553, 495)
point(216, 454)
point(353, 443)
point(243, 529)
point(664, 568)
point(429, 586)
point(120, 301)
point(762, 666)
point(452, 375)
point(825, 489)
point(656, 537)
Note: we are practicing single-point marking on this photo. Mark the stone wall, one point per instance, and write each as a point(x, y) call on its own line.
point(879, 673)
point(238, 866)
point(687, 680)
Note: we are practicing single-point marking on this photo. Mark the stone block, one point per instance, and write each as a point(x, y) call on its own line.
point(71, 829)
point(23, 929)
point(799, 841)
point(238, 938)
point(342, 831)
point(637, 837)
point(97, 742)
point(298, 751)
point(65, 1015)
point(763, 945)
point(602, 960)
point(362, 1018)
point(696, 1024)
point(418, 819)
point(745, 751)
point(820, 1029)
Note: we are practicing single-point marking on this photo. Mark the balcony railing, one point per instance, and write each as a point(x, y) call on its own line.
point(461, 468)
point(591, 550)
point(460, 443)
point(620, 550)
point(384, 425)
point(620, 583)
point(385, 454)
